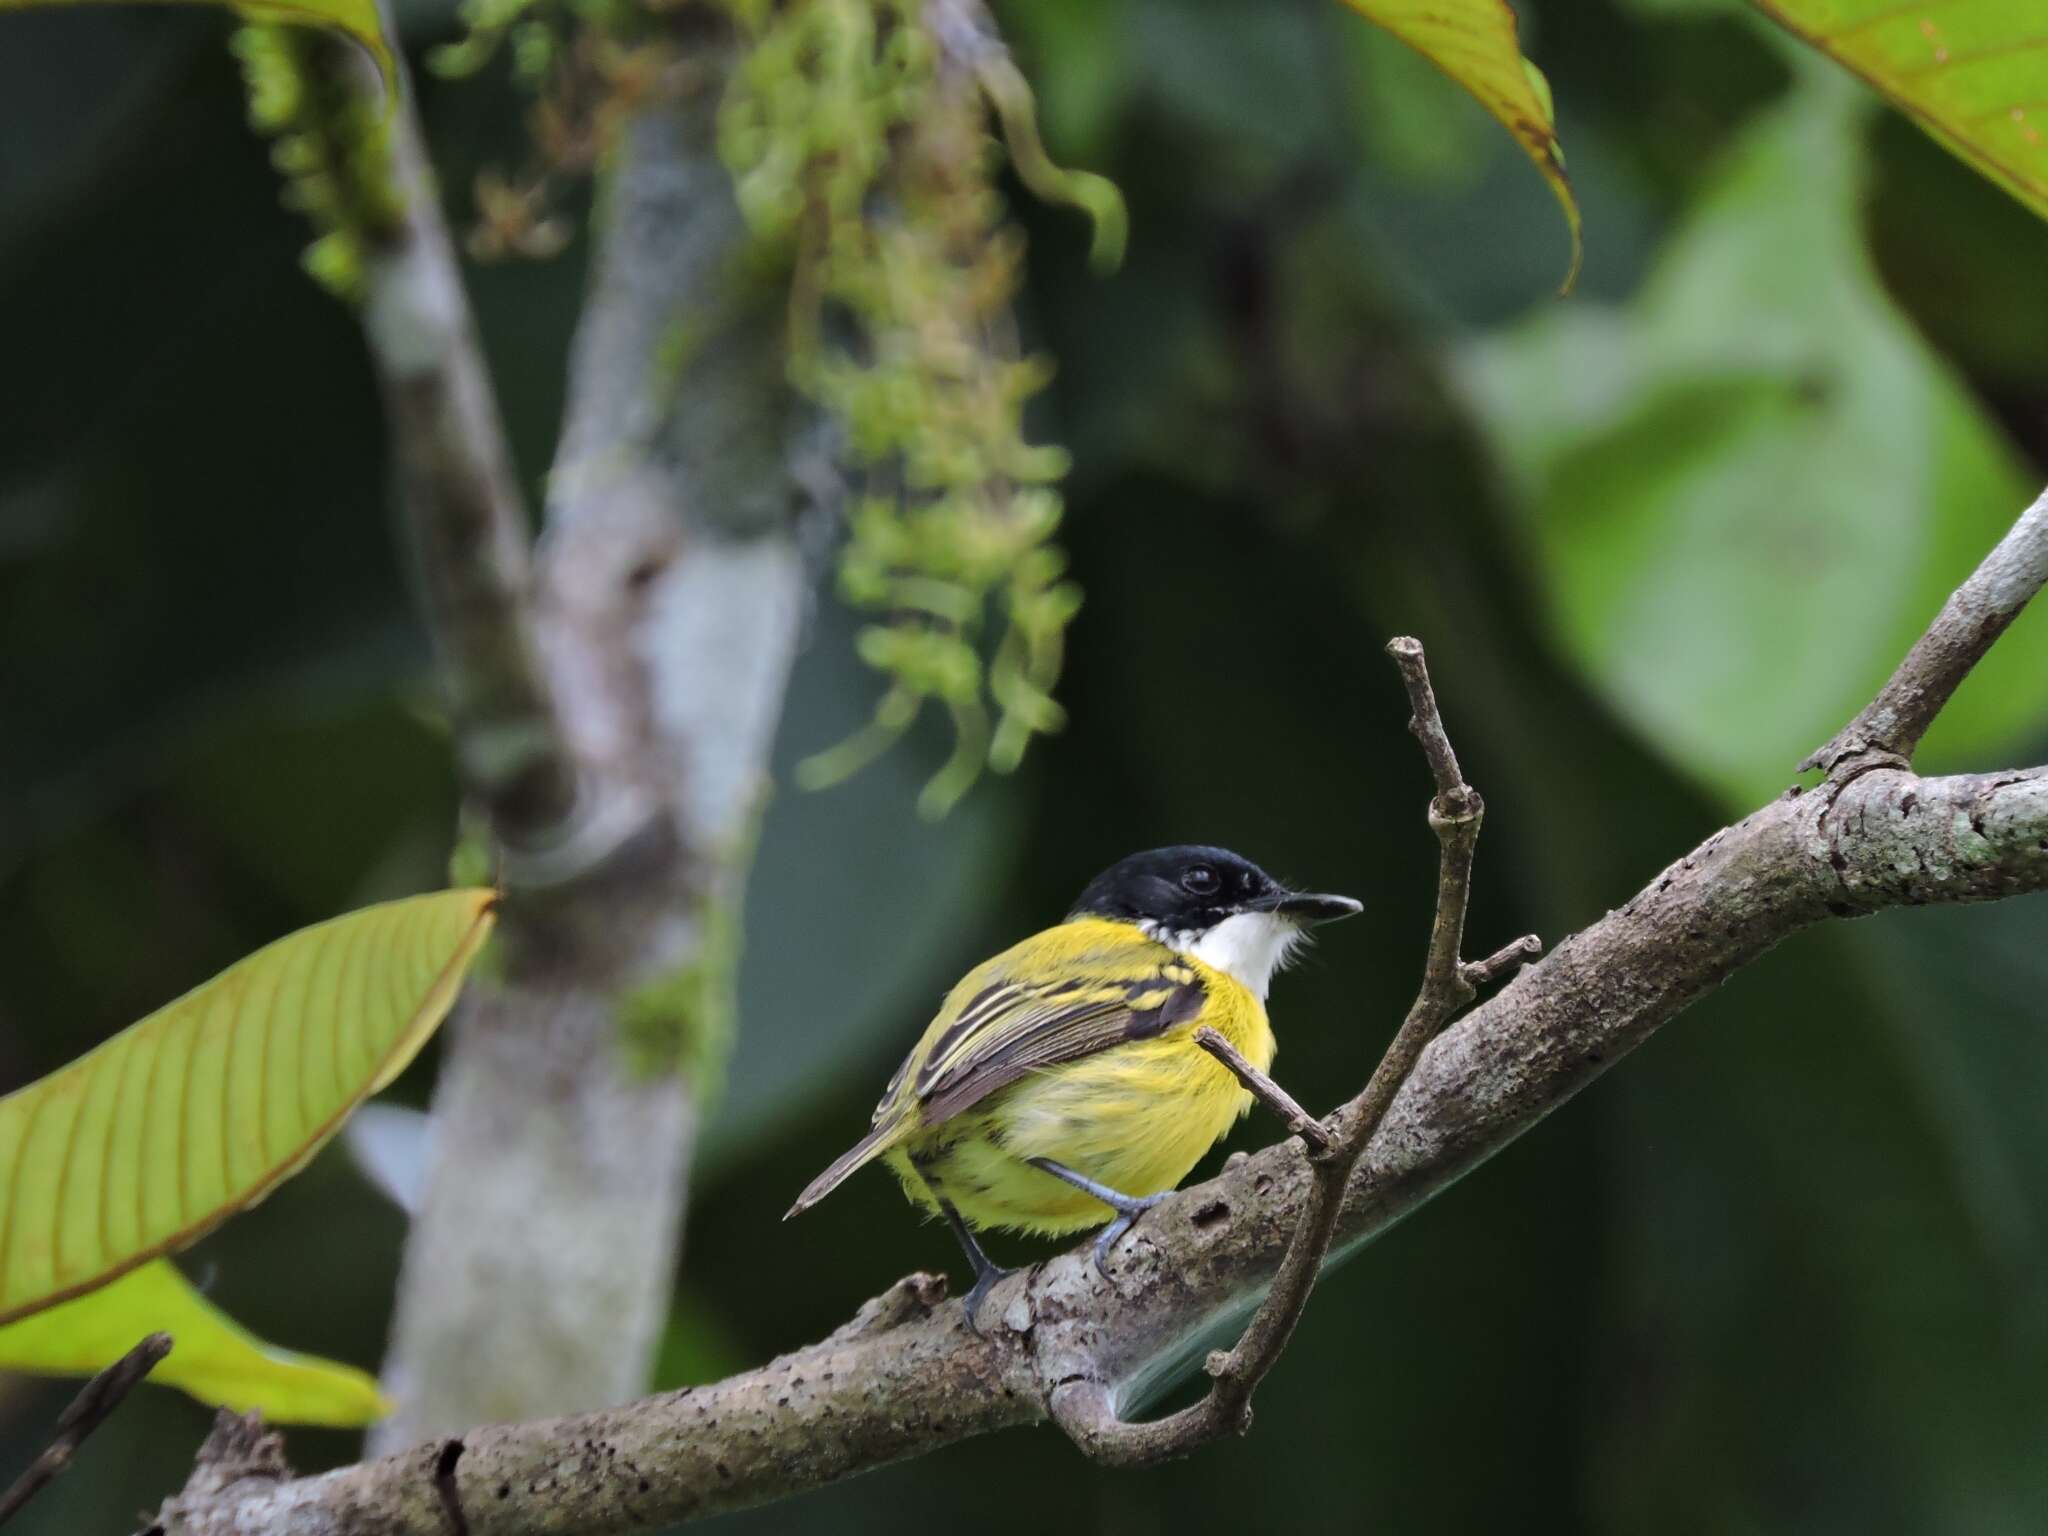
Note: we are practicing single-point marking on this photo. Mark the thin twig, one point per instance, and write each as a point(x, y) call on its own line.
point(1087, 1410)
point(102, 1395)
point(468, 520)
point(1299, 1122)
point(1890, 726)
point(1425, 721)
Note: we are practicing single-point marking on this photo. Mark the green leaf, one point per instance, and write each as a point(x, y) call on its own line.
point(1973, 73)
point(1474, 42)
point(357, 19)
point(212, 1358)
point(1747, 493)
point(145, 1144)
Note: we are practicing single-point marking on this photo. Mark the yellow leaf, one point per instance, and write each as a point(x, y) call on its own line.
point(1973, 73)
point(358, 19)
point(150, 1141)
point(1473, 41)
point(212, 1357)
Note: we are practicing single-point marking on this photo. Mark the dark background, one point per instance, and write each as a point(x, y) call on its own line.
point(1781, 1271)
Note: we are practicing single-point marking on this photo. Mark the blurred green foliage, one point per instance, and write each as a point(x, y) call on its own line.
point(1758, 447)
point(1779, 1272)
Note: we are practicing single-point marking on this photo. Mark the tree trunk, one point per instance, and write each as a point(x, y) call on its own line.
point(670, 594)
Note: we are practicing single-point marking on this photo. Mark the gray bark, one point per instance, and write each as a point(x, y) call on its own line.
point(468, 521)
point(665, 612)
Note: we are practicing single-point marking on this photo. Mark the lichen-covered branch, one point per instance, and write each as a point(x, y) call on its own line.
point(615, 695)
point(907, 1376)
point(538, 1272)
point(614, 702)
point(668, 597)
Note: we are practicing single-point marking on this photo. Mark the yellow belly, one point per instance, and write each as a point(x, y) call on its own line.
point(1137, 1118)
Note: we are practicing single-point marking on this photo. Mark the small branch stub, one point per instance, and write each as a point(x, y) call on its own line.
point(1479, 974)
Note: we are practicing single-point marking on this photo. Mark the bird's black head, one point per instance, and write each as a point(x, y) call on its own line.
point(1189, 889)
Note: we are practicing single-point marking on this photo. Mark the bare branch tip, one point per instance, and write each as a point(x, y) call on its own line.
point(1482, 973)
point(1427, 724)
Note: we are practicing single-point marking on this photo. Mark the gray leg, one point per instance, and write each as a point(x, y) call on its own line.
point(986, 1271)
point(1128, 1208)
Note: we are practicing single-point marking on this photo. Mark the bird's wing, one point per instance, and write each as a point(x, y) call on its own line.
point(1055, 997)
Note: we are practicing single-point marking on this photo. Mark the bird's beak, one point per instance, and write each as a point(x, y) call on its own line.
point(1307, 909)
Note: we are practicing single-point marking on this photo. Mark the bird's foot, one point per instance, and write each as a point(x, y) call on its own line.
point(985, 1279)
point(1128, 1210)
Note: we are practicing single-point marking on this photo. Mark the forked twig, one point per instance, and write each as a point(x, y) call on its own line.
point(1086, 1409)
point(101, 1396)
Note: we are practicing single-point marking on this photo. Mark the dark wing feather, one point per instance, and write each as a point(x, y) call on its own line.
point(1011, 1029)
point(1083, 987)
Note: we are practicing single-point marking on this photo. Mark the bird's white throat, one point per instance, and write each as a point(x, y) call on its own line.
point(1249, 946)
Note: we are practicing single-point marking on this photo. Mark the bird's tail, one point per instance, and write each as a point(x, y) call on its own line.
point(863, 1152)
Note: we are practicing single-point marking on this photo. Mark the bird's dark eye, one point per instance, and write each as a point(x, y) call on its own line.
point(1199, 880)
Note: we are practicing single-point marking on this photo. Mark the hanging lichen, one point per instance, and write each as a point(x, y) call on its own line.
point(330, 141)
point(862, 140)
point(859, 135)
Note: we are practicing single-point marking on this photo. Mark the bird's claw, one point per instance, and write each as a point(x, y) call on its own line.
point(1125, 1215)
point(985, 1280)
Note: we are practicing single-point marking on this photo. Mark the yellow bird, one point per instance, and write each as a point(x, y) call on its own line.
point(1061, 1082)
